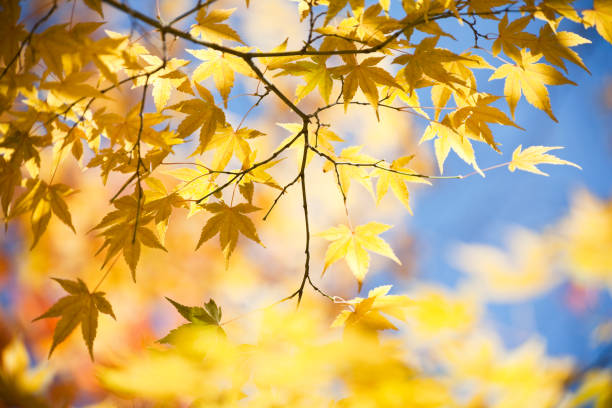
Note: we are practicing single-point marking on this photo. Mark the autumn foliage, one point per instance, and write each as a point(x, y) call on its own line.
point(155, 156)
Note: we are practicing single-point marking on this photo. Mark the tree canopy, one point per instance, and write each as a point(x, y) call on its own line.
point(193, 150)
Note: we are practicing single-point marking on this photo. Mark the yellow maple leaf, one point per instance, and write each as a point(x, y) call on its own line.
point(164, 80)
point(512, 38)
point(396, 178)
point(228, 142)
point(555, 47)
point(366, 76)
point(475, 113)
point(221, 66)
point(369, 313)
point(196, 183)
point(257, 175)
point(211, 28)
point(202, 114)
point(42, 200)
point(315, 73)
point(336, 5)
point(79, 307)
point(533, 155)
point(600, 17)
point(229, 222)
point(352, 245)
point(434, 312)
point(124, 230)
point(449, 138)
point(347, 171)
point(529, 79)
point(588, 239)
point(428, 60)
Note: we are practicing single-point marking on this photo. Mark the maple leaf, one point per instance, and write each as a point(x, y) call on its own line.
point(222, 67)
point(396, 179)
point(352, 245)
point(428, 60)
point(315, 73)
point(272, 63)
point(124, 130)
point(159, 202)
point(42, 200)
point(79, 307)
point(11, 32)
point(164, 80)
point(196, 183)
point(202, 114)
point(370, 313)
point(211, 28)
point(348, 172)
point(70, 88)
point(209, 315)
point(364, 75)
point(121, 233)
point(512, 38)
point(530, 80)
point(257, 175)
point(533, 155)
point(335, 6)
point(554, 46)
point(448, 138)
point(228, 142)
point(600, 17)
point(229, 222)
point(476, 116)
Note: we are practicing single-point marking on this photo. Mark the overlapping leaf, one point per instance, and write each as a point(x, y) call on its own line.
point(530, 79)
point(229, 223)
point(396, 178)
point(43, 200)
point(202, 114)
point(369, 313)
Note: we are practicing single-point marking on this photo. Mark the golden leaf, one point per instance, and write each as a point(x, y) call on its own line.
point(229, 222)
point(79, 307)
point(352, 245)
point(533, 155)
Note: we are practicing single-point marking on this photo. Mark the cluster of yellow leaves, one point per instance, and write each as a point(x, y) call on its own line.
point(56, 82)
